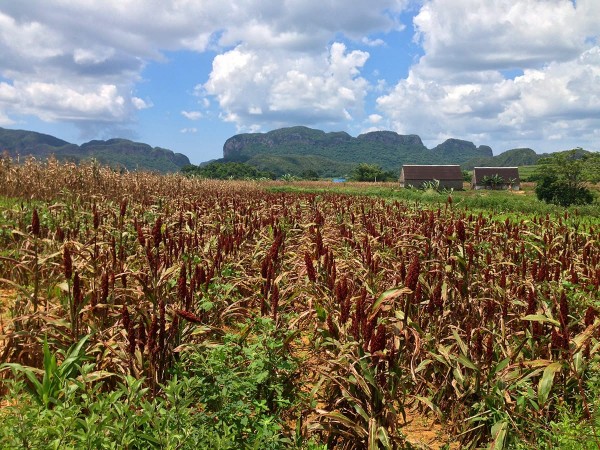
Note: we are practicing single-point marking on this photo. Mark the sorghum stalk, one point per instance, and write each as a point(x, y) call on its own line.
point(274, 301)
point(412, 279)
point(310, 268)
point(35, 230)
point(76, 300)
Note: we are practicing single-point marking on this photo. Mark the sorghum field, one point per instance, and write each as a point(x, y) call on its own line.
point(147, 311)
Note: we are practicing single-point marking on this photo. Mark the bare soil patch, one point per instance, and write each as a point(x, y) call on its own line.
point(426, 433)
point(7, 298)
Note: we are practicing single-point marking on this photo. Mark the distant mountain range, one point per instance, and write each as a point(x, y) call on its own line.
point(297, 150)
point(113, 152)
point(510, 158)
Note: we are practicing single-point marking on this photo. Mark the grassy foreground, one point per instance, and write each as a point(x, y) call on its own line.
point(148, 311)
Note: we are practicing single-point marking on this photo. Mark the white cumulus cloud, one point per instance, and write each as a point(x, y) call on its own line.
point(504, 72)
point(254, 86)
point(140, 103)
point(52, 101)
point(81, 47)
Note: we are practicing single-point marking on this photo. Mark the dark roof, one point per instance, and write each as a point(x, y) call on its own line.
point(414, 172)
point(507, 173)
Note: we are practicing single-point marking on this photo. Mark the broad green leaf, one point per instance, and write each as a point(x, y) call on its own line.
point(501, 365)
point(383, 437)
point(463, 347)
point(467, 362)
point(359, 409)
point(499, 430)
point(546, 382)
point(578, 362)
point(541, 319)
point(390, 294)
point(321, 314)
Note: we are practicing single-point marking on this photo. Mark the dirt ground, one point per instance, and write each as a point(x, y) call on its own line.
point(425, 433)
point(7, 297)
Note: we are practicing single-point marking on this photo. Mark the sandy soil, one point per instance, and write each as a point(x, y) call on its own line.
point(425, 433)
point(7, 297)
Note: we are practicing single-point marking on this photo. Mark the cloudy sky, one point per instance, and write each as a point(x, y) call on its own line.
point(188, 74)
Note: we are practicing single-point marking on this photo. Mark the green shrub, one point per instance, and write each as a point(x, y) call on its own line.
point(559, 192)
point(237, 393)
point(246, 382)
point(560, 179)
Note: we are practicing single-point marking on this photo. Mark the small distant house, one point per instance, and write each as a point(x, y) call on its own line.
point(496, 178)
point(448, 176)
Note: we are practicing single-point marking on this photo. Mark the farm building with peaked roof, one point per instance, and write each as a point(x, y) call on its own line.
point(448, 176)
point(496, 178)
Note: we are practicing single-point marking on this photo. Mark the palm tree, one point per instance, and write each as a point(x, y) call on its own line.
point(486, 182)
point(496, 181)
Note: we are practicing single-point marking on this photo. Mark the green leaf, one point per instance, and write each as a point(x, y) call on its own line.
point(427, 402)
point(29, 372)
point(541, 319)
point(467, 362)
point(383, 437)
point(499, 430)
point(578, 362)
point(337, 416)
point(547, 381)
point(390, 294)
point(501, 365)
point(321, 314)
point(463, 347)
point(359, 409)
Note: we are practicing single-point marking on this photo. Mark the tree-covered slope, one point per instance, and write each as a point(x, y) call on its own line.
point(300, 165)
point(113, 152)
point(305, 146)
point(510, 158)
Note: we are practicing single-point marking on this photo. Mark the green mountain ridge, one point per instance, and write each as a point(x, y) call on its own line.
point(299, 149)
point(511, 158)
point(113, 152)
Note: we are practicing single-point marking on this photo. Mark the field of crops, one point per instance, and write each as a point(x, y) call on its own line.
point(223, 312)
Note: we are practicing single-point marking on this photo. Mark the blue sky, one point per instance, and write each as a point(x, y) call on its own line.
point(188, 74)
